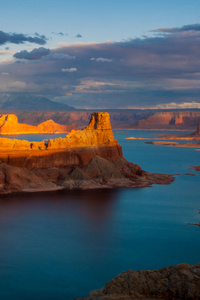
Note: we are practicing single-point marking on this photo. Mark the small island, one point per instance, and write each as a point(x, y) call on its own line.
point(195, 136)
point(84, 159)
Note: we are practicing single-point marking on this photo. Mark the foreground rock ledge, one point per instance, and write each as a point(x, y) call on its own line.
point(90, 158)
point(175, 282)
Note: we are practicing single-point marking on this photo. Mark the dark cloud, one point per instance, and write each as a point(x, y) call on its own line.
point(192, 27)
point(20, 38)
point(36, 53)
point(78, 36)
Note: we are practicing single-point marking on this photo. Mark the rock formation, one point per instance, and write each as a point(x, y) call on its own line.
point(127, 119)
point(174, 282)
point(170, 120)
point(90, 158)
point(9, 125)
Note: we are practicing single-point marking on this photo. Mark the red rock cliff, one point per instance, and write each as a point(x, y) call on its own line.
point(136, 119)
point(170, 120)
point(90, 158)
point(97, 133)
point(9, 125)
point(77, 148)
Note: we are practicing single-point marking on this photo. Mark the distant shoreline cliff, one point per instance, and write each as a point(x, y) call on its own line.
point(120, 119)
point(88, 158)
point(9, 125)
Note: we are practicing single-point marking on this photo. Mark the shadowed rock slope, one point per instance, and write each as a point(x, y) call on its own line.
point(88, 158)
point(175, 282)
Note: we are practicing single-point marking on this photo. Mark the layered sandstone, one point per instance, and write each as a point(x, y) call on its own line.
point(9, 125)
point(135, 119)
point(170, 120)
point(97, 133)
point(90, 158)
point(174, 282)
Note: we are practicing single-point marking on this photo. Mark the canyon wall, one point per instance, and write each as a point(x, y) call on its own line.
point(120, 119)
point(77, 148)
point(170, 120)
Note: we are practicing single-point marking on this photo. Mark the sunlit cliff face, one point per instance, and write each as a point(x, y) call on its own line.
point(9, 125)
point(97, 133)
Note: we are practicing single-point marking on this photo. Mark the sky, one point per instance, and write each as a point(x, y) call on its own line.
point(102, 54)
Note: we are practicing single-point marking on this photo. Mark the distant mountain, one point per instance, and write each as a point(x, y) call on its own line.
point(33, 103)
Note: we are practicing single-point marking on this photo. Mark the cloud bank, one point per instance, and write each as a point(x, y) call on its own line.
point(152, 71)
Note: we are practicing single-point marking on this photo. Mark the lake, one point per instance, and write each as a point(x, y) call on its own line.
point(60, 245)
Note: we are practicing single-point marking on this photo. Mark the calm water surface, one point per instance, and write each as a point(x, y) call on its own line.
point(60, 245)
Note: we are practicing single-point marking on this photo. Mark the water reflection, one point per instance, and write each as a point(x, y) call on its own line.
point(52, 237)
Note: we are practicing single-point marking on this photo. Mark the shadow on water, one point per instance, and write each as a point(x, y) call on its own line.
point(48, 241)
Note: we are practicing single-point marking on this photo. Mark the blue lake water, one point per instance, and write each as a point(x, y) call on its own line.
point(61, 245)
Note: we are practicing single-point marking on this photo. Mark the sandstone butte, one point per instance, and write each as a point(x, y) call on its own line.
point(175, 282)
point(9, 125)
point(87, 158)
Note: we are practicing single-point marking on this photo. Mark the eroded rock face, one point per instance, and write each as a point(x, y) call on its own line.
point(135, 119)
point(165, 120)
point(97, 133)
point(90, 158)
point(174, 282)
point(9, 125)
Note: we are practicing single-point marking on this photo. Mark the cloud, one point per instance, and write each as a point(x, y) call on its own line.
point(60, 56)
point(101, 59)
point(140, 72)
point(91, 86)
point(17, 85)
point(6, 52)
point(59, 33)
point(69, 70)
point(36, 53)
point(192, 27)
point(78, 36)
point(174, 105)
point(20, 38)
point(5, 73)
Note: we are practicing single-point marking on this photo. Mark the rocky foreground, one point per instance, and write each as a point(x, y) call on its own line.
point(175, 282)
point(88, 158)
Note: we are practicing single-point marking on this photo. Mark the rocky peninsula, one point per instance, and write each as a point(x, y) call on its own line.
point(174, 282)
point(9, 125)
point(87, 158)
point(195, 136)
